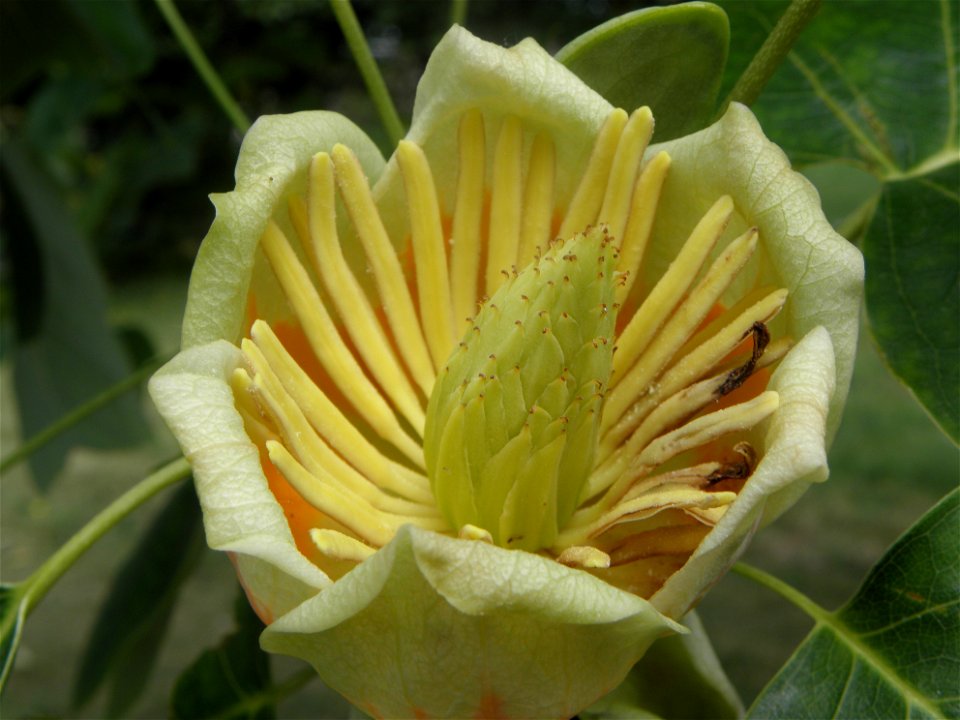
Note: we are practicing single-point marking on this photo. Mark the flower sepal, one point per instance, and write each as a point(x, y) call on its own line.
point(468, 630)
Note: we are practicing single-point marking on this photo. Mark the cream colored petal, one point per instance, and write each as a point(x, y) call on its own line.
point(791, 444)
point(240, 514)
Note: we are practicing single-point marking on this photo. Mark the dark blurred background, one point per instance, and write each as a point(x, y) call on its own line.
point(109, 145)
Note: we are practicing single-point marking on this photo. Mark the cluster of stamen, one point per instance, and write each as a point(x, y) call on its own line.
point(337, 398)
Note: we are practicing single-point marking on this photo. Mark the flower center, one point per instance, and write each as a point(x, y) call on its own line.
point(530, 432)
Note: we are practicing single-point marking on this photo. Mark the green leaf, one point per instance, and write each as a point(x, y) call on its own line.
point(13, 613)
point(912, 251)
point(65, 352)
point(670, 58)
point(894, 649)
point(132, 623)
point(842, 92)
point(841, 97)
point(679, 677)
point(231, 680)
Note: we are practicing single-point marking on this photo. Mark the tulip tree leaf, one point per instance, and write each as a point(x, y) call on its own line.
point(13, 613)
point(670, 58)
point(65, 353)
point(132, 623)
point(231, 680)
point(840, 93)
point(841, 96)
point(894, 649)
point(913, 266)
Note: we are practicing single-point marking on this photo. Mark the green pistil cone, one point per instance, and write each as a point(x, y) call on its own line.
point(513, 420)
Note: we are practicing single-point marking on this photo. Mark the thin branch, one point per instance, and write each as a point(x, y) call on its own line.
point(34, 443)
point(773, 52)
point(206, 71)
point(372, 78)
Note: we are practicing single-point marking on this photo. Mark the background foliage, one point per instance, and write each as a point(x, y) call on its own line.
point(110, 144)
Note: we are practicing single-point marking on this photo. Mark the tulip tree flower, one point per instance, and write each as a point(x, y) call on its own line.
point(479, 423)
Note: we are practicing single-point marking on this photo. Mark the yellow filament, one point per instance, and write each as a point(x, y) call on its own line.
point(426, 232)
point(626, 161)
point(665, 497)
point(593, 185)
point(505, 199)
point(347, 509)
point(537, 199)
point(253, 425)
point(708, 355)
point(328, 420)
point(706, 428)
point(671, 287)
point(467, 220)
point(698, 431)
point(375, 526)
point(321, 333)
point(632, 482)
point(359, 318)
point(682, 323)
point(311, 449)
point(382, 256)
point(665, 414)
point(643, 209)
point(338, 546)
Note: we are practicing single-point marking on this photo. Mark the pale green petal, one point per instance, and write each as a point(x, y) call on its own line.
point(791, 443)
point(437, 627)
point(798, 248)
point(240, 514)
point(679, 677)
point(465, 72)
point(272, 165)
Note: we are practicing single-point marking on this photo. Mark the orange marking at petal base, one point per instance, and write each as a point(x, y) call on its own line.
point(301, 518)
point(420, 714)
point(491, 707)
point(262, 611)
point(301, 515)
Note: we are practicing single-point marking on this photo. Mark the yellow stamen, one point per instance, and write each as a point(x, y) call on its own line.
point(505, 201)
point(360, 321)
point(321, 332)
point(467, 220)
point(426, 230)
point(328, 420)
point(643, 207)
point(311, 450)
point(382, 256)
point(375, 526)
point(678, 328)
point(537, 200)
point(657, 308)
point(588, 198)
point(665, 497)
point(338, 546)
point(626, 161)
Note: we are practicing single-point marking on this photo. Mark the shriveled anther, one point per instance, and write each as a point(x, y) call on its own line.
point(736, 378)
point(739, 469)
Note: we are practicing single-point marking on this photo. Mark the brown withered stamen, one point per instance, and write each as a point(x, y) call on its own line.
point(736, 378)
